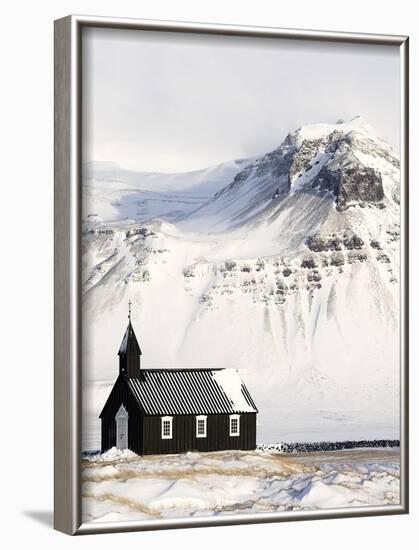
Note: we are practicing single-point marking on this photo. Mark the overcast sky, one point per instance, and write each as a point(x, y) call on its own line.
point(167, 102)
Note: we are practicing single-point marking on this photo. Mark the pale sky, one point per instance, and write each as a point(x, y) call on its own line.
point(171, 102)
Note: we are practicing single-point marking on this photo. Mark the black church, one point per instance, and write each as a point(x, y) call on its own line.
point(156, 411)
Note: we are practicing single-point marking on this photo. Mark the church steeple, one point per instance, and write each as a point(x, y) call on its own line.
point(129, 351)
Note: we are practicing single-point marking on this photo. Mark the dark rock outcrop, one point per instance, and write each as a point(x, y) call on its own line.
point(308, 262)
point(321, 446)
point(353, 242)
point(337, 259)
point(317, 243)
point(350, 181)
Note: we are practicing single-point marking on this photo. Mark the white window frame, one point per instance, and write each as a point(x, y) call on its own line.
point(165, 419)
point(234, 417)
point(204, 418)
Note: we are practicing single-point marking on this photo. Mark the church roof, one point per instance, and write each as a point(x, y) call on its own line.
point(129, 344)
point(191, 391)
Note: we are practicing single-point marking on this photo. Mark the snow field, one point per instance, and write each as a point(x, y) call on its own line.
point(120, 486)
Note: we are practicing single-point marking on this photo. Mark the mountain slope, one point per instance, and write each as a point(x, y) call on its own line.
point(289, 273)
point(112, 193)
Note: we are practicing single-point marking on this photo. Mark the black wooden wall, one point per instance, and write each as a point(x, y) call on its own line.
point(184, 434)
point(121, 394)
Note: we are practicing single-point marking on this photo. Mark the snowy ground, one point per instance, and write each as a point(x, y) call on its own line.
point(121, 486)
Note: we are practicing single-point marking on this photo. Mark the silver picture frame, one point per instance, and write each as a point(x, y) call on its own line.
point(67, 286)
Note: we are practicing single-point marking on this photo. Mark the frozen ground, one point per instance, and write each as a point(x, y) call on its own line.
point(121, 486)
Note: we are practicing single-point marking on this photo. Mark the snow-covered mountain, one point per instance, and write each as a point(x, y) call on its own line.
point(343, 159)
point(113, 193)
point(288, 272)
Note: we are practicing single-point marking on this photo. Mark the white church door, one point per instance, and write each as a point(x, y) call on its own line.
point(121, 419)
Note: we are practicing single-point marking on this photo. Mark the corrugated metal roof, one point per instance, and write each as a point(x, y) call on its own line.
point(191, 391)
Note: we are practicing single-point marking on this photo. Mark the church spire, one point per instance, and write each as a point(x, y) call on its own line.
point(129, 351)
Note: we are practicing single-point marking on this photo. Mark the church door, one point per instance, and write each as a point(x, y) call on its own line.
point(121, 420)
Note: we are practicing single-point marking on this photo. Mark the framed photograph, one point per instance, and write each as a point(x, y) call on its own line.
point(231, 282)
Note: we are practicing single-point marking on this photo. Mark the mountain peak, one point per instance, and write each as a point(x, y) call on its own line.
point(342, 163)
point(357, 124)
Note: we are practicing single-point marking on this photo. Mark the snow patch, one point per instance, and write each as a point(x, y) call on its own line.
point(231, 383)
point(114, 454)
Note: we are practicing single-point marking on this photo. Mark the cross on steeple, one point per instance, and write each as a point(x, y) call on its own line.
point(129, 311)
